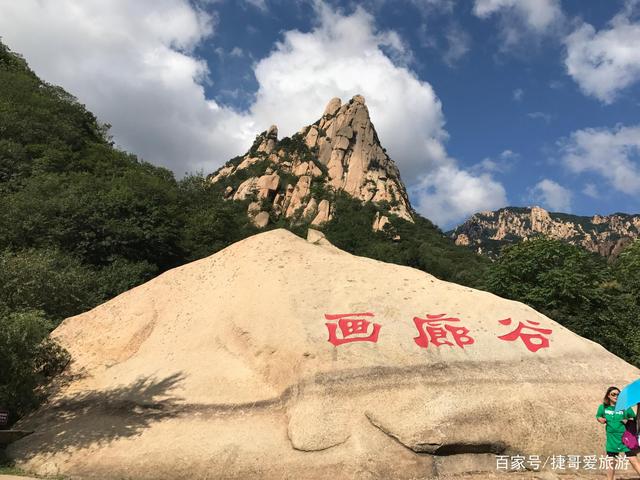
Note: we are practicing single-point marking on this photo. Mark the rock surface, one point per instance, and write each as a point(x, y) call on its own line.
point(261, 220)
point(339, 152)
point(486, 232)
point(222, 368)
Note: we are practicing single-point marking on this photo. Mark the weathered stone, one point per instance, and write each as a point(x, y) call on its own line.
point(300, 192)
point(341, 143)
point(246, 188)
point(267, 184)
point(311, 209)
point(253, 208)
point(247, 162)
point(463, 240)
point(315, 171)
point(605, 235)
point(314, 236)
point(333, 106)
point(301, 169)
point(346, 132)
point(228, 191)
point(401, 212)
point(270, 140)
point(325, 151)
point(312, 136)
point(354, 157)
point(287, 197)
point(335, 168)
point(223, 172)
point(277, 400)
point(368, 192)
point(323, 213)
point(379, 222)
point(261, 220)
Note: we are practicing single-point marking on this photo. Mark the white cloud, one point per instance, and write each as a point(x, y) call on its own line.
point(343, 57)
point(259, 4)
point(133, 64)
point(509, 155)
point(518, 93)
point(606, 62)
point(503, 164)
point(537, 14)
point(458, 44)
point(429, 6)
point(614, 154)
point(591, 190)
point(521, 17)
point(449, 194)
point(452, 41)
point(552, 195)
point(546, 117)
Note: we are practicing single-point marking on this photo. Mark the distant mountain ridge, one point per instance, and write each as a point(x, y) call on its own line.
point(487, 232)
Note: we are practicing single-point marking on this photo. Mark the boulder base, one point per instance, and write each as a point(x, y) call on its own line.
point(222, 369)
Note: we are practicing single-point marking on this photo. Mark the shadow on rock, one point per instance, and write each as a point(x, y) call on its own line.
point(98, 417)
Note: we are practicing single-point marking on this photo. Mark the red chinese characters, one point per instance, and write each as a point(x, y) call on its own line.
point(352, 327)
point(533, 341)
point(437, 328)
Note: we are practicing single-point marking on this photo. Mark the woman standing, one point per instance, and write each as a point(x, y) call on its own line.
point(615, 427)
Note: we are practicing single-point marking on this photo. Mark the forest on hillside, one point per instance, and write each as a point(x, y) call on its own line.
point(82, 221)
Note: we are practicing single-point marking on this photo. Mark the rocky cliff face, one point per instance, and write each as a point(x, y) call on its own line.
point(297, 178)
point(487, 232)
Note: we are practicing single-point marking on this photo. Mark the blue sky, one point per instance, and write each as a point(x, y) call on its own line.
point(481, 103)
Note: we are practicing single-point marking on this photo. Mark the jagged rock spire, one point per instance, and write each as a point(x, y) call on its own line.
point(342, 152)
point(348, 145)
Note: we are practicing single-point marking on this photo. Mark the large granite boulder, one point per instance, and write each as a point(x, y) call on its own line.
point(281, 358)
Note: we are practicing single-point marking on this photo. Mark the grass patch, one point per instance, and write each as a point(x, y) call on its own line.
point(7, 468)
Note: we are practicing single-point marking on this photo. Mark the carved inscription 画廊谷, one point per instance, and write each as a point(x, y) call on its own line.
point(434, 330)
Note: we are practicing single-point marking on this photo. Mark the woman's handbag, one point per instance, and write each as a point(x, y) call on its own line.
point(629, 437)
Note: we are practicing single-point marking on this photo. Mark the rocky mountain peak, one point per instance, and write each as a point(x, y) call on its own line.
point(296, 177)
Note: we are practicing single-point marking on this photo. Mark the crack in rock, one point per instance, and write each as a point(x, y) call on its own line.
point(442, 449)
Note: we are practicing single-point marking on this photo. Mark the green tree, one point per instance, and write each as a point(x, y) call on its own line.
point(570, 285)
point(209, 223)
point(418, 244)
point(627, 270)
point(47, 280)
point(548, 274)
point(28, 359)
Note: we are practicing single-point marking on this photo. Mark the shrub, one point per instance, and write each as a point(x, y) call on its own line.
point(28, 359)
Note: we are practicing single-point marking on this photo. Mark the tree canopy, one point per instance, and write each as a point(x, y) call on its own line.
point(575, 288)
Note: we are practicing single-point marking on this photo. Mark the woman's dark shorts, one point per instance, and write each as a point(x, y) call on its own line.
point(630, 453)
